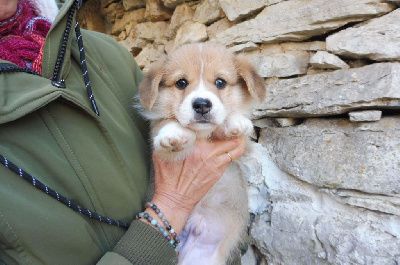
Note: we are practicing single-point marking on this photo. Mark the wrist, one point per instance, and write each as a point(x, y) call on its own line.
point(142, 244)
point(175, 213)
point(157, 219)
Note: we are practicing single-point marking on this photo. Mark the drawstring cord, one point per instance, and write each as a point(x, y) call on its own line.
point(85, 72)
point(9, 68)
point(57, 81)
point(39, 185)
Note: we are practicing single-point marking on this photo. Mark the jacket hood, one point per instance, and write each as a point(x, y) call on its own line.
point(46, 8)
point(22, 93)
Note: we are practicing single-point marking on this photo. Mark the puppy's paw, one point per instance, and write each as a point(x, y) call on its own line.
point(238, 125)
point(174, 138)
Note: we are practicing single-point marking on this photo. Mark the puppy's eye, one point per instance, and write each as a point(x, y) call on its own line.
point(181, 83)
point(220, 83)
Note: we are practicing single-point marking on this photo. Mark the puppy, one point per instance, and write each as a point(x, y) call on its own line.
point(195, 92)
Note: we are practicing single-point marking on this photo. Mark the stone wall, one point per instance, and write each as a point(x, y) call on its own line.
point(324, 180)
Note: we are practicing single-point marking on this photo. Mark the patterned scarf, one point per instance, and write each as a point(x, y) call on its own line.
point(22, 37)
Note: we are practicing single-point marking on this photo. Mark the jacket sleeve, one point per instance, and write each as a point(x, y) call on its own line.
point(141, 244)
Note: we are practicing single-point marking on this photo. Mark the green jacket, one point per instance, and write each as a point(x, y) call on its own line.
point(99, 162)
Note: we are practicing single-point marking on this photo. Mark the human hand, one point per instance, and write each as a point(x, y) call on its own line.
point(181, 184)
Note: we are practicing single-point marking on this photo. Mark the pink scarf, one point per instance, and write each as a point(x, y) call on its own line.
point(22, 37)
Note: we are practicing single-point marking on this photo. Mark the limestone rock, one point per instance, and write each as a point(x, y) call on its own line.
point(129, 44)
point(253, 170)
point(134, 45)
point(281, 64)
point(238, 9)
point(326, 60)
point(181, 14)
point(265, 122)
point(298, 223)
point(149, 54)
point(156, 11)
point(172, 3)
point(138, 43)
point(151, 31)
point(244, 47)
point(249, 258)
point(122, 35)
point(276, 48)
point(325, 234)
point(130, 27)
point(133, 4)
point(304, 46)
point(295, 20)
point(333, 93)
point(285, 122)
point(113, 11)
point(272, 48)
point(365, 115)
point(217, 27)
point(377, 39)
point(90, 17)
point(207, 12)
point(341, 155)
point(190, 32)
point(105, 3)
point(126, 43)
point(130, 17)
point(373, 202)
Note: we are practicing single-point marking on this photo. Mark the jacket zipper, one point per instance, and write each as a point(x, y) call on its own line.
point(57, 81)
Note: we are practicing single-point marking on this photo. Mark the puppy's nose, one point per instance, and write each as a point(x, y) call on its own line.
point(202, 106)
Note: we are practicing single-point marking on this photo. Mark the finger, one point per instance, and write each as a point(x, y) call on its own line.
point(238, 151)
point(222, 160)
point(219, 147)
point(231, 155)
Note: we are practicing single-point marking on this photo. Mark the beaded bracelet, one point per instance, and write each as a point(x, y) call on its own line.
point(164, 219)
point(168, 232)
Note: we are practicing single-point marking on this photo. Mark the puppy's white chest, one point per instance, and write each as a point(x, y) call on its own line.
point(217, 222)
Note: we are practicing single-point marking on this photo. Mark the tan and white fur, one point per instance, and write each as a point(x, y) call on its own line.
point(214, 100)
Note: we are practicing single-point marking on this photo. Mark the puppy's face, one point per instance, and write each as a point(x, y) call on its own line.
point(200, 85)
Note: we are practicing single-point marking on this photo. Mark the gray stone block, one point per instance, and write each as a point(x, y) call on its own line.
point(295, 20)
point(338, 154)
point(377, 39)
point(333, 93)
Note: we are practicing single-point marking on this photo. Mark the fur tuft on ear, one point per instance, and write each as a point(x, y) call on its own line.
point(254, 82)
point(148, 88)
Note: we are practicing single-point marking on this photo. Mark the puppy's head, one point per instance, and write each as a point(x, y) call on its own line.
point(200, 85)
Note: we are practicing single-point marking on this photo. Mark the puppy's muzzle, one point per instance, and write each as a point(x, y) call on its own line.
point(201, 106)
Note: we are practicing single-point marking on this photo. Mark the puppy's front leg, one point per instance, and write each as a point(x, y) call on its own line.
point(173, 141)
point(237, 125)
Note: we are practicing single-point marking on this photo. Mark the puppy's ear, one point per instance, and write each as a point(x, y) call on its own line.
point(254, 82)
point(148, 88)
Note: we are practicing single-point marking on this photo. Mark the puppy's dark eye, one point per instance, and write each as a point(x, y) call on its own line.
point(220, 83)
point(181, 83)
